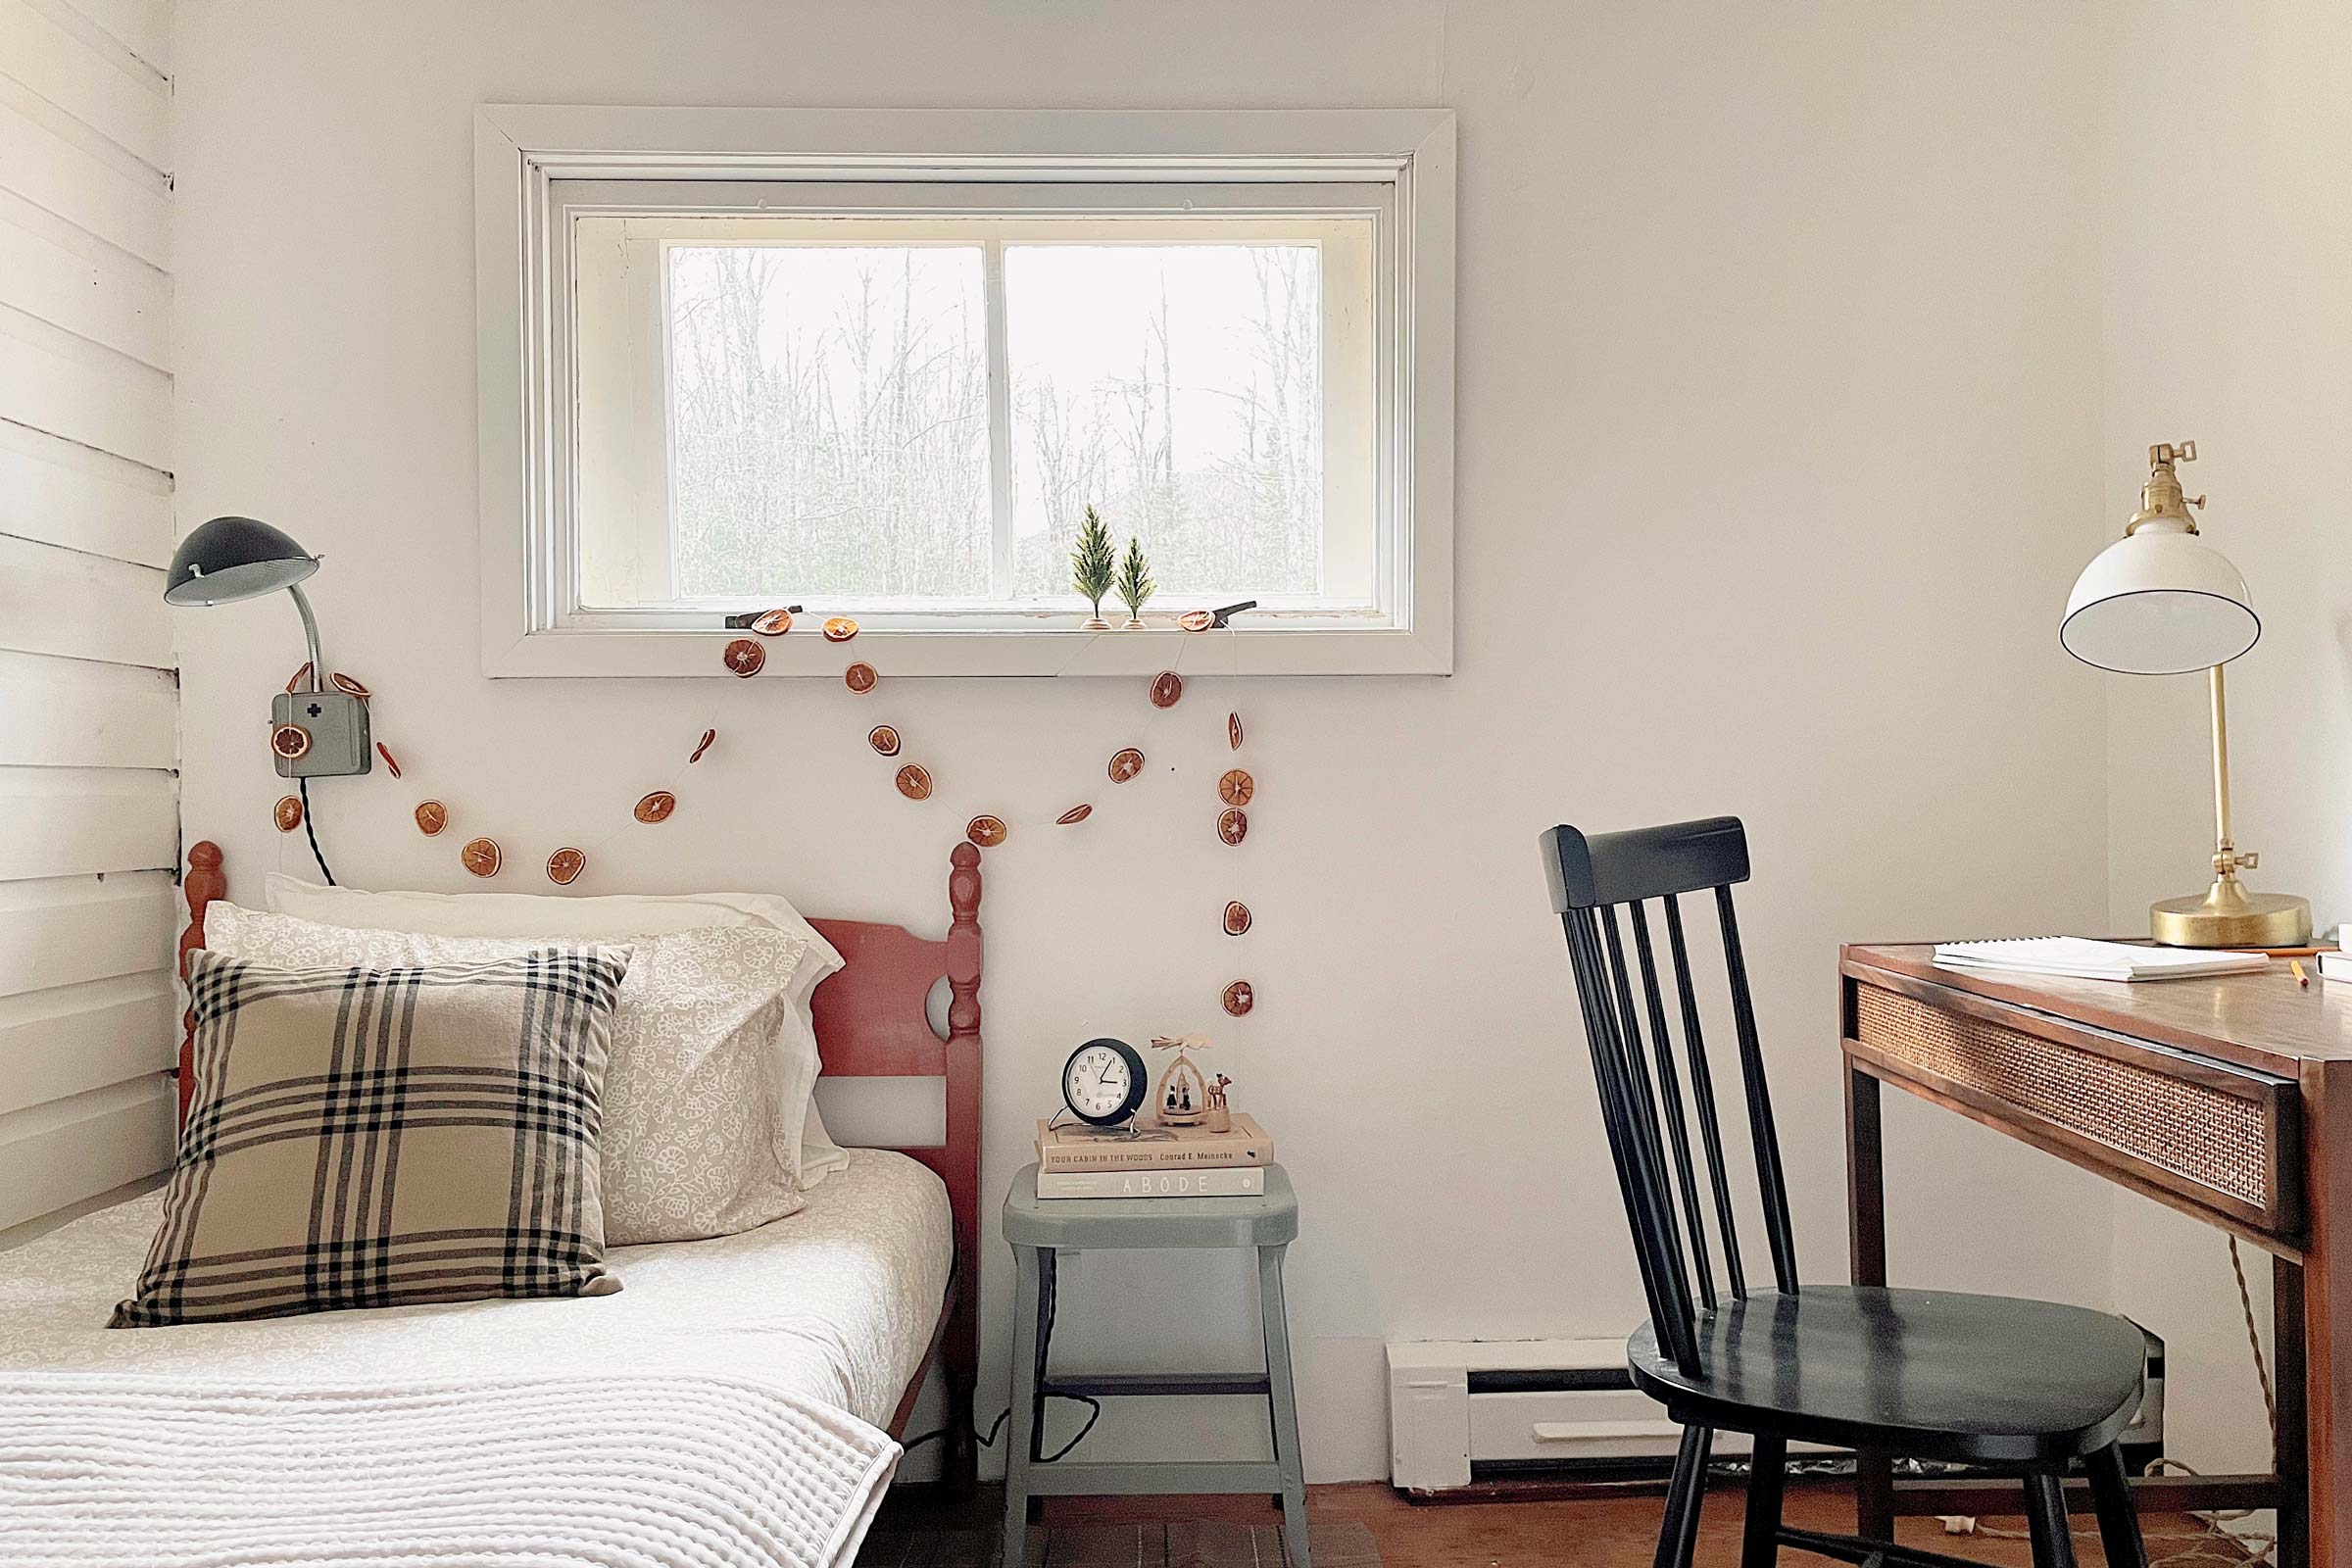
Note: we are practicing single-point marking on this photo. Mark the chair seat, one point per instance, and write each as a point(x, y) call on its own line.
point(1928, 1374)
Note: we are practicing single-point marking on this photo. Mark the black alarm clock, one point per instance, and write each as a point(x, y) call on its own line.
point(1103, 1083)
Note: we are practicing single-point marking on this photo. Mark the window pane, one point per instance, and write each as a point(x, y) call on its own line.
point(1177, 389)
point(829, 421)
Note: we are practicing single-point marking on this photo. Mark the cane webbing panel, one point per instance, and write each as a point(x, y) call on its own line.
point(2215, 1140)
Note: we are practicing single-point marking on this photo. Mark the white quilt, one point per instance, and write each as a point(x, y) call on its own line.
point(819, 1319)
point(111, 1471)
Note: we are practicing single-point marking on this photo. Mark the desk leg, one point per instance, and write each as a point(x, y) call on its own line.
point(1866, 1232)
point(1283, 1399)
point(1020, 1445)
point(2328, 1309)
point(2287, 1335)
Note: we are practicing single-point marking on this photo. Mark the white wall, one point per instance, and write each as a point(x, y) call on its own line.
point(87, 734)
point(1778, 432)
point(2226, 271)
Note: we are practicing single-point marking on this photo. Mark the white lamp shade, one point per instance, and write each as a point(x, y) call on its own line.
point(2158, 603)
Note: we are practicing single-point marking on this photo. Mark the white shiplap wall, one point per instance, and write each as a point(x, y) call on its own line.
point(89, 697)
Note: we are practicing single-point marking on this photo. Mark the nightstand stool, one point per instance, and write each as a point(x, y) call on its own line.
point(1038, 1229)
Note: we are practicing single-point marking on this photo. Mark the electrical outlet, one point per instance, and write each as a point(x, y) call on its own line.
point(319, 734)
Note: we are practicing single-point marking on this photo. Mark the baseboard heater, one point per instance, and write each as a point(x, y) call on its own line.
point(1465, 1413)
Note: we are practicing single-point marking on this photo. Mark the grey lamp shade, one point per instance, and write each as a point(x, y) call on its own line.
point(234, 557)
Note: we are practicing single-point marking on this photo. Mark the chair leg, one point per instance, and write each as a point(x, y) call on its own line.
point(1678, 1533)
point(2045, 1519)
point(2119, 1520)
point(1760, 1538)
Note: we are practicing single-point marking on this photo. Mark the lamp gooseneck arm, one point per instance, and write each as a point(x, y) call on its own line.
point(310, 632)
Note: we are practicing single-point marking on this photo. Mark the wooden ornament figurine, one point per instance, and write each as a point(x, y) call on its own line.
point(1220, 1110)
point(1182, 1098)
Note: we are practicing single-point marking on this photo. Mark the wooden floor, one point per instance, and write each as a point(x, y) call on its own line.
point(1359, 1525)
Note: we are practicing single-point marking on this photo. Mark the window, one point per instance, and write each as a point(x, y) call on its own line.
point(812, 368)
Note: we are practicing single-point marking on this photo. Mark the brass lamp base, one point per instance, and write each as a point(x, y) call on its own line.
point(2229, 917)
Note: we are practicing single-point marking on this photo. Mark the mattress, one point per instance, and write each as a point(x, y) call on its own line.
point(835, 1304)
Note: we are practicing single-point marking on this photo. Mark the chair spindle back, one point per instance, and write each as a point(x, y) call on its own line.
point(1601, 886)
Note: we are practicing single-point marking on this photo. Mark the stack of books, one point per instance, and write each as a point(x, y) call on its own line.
point(1155, 1163)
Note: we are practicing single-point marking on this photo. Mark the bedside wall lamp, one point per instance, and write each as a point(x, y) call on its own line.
point(2161, 602)
point(317, 732)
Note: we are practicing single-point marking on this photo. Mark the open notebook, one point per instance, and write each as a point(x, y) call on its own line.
point(2087, 960)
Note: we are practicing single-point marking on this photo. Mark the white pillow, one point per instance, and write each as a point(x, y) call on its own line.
point(608, 916)
point(701, 1111)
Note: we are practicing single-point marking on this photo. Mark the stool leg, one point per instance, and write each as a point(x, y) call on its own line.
point(1282, 1397)
point(1028, 1319)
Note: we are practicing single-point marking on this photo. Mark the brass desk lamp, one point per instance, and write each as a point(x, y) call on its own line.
point(2161, 602)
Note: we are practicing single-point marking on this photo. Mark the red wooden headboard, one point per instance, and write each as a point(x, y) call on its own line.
point(871, 1023)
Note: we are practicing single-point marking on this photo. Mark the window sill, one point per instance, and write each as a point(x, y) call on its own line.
point(804, 653)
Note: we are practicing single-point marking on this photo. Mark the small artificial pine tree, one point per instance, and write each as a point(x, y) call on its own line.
point(1094, 564)
point(1134, 584)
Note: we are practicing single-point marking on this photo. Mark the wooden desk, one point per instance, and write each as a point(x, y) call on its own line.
point(2228, 1099)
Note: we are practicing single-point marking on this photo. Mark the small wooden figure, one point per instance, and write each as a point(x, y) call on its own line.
point(1220, 1110)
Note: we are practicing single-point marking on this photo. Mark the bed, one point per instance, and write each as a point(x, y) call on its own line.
point(834, 1312)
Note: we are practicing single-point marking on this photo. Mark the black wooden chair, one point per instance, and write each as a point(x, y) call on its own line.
point(1928, 1374)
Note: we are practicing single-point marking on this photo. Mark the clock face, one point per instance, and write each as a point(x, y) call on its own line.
point(1100, 1083)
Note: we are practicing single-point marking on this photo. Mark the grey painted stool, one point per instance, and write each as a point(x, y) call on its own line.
point(1038, 1228)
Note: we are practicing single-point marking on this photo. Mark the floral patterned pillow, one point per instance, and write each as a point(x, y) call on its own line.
point(703, 1107)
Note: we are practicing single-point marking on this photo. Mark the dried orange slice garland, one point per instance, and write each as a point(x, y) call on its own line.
point(745, 658)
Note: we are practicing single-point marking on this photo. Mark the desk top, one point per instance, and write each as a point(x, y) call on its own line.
point(2264, 1021)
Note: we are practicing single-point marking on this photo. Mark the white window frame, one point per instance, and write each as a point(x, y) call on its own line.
point(521, 295)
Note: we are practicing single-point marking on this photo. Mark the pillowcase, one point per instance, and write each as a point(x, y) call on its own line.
point(607, 917)
point(702, 1114)
point(373, 1138)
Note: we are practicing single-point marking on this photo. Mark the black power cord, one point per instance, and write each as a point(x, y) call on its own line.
point(312, 833)
point(1093, 1406)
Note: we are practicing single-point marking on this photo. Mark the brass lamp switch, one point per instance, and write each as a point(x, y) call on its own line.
point(318, 734)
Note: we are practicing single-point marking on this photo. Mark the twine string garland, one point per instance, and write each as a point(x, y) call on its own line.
point(988, 830)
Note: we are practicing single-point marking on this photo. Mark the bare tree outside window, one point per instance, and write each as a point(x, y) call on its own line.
point(829, 417)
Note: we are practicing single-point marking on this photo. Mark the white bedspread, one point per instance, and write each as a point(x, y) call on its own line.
point(828, 1310)
point(663, 1471)
point(836, 1302)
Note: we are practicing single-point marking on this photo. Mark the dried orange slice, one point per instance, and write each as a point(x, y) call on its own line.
point(1233, 824)
point(344, 683)
point(702, 746)
point(745, 656)
point(481, 856)
point(915, 781)
point(1076, 813)
point(1125, 764)
point(986, 831)
point(657, 807)
point(839, 629)
point(775, 623)
point(390, 761)
point(1167, 688)
point(1237, 918)
point(1239, 996)
point(431, 817)
point(883, 739)
point(1235, 787)
point(1196, 619)
point(859, 677)
point(287, 812)
point(564, 866)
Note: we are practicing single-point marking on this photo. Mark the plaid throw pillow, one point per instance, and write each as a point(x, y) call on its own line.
point(379, 1137)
